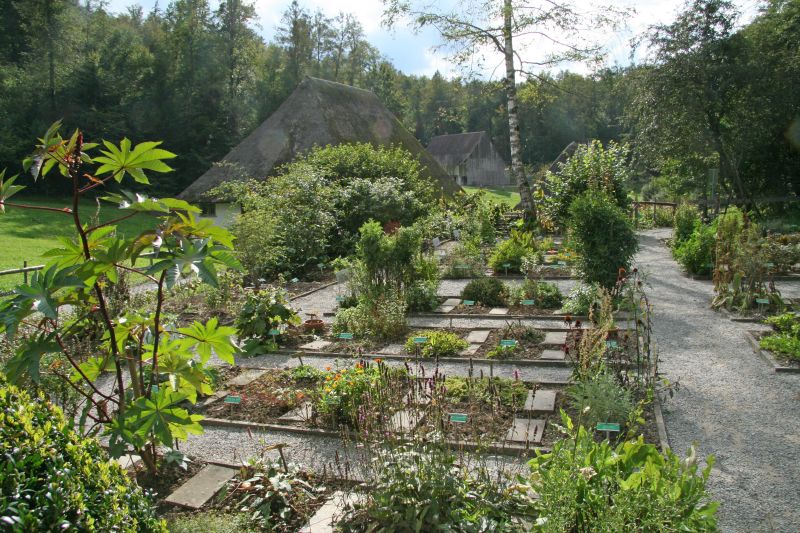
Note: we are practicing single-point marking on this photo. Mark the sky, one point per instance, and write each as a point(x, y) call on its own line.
point(413, 53)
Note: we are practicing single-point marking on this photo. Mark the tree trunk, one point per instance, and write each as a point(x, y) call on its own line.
point(515, 144)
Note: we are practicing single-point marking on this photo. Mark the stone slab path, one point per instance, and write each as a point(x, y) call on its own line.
point(202, 487)
point(730, 402)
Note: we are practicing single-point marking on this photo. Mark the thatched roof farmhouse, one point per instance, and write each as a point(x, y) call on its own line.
point(317, 113)
point(470, 158)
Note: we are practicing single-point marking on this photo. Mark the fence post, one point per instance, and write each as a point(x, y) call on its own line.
point(25, 272)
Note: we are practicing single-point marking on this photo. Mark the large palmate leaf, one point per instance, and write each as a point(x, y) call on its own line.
point(191, 256)
point(185, 375)
point(124, 160)
point(135, 201)
point(7, 189)
point(210, 336)
point(161, 417)
point(28, 358)
point(43, 286)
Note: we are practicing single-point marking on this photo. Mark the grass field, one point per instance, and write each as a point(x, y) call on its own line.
point(502, 195)
point(26, 234)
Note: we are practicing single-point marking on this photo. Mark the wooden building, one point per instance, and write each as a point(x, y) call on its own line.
point(470, 158)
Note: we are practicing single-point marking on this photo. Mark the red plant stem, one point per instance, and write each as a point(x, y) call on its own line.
point(64, 210)
point(81, 392)
point(129, 269)
point(157, 329)
point(110, 222)
point(75, 365)
point(74, 170)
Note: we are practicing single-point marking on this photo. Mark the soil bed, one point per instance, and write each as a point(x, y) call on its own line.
point(168, 478)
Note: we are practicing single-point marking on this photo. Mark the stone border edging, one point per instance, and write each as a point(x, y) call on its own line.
point(496, 448)
point(312, 291)
point(663, 437)
point(411, 358)
point(767, 356)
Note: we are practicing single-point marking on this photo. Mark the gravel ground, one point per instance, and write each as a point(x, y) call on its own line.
point(730, 402)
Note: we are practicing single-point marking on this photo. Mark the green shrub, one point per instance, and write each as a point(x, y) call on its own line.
point(594, 169)
point(490, 292)
point(605, 398)
point(427, 489)
point(439, 344)
point(585, 485)
point(463, 261)
point(546, 295)
point(687, 218)
point(262, 312)
point(383, 317)
point(697, 253)
point(782, 343)
point(52, 479)
point(604, 238)
point(582, 298)
point(511, 251)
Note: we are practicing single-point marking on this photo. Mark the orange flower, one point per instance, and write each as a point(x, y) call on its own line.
point(328, 368)
point(378, 360)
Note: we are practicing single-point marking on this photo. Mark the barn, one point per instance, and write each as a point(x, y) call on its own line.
point(470, 158)
point(317, 113)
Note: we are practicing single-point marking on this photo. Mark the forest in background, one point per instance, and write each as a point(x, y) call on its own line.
point(711, 95)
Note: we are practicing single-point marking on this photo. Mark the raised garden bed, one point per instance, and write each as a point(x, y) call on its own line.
point(779, 362)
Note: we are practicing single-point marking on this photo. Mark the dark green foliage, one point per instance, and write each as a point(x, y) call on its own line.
point(591, 168)
point(490, 292)
point(686, 220)
point(52, 479)
point(696, 253)
point(603, 236)
point(264, 311)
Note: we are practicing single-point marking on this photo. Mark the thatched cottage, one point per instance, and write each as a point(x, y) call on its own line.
point(470, 158)
point(317, 113)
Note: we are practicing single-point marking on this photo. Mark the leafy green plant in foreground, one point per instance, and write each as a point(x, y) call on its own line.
point(54, 479)
point(585, 485)
point(164, 363)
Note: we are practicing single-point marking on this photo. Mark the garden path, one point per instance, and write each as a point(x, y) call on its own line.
point(730, 402)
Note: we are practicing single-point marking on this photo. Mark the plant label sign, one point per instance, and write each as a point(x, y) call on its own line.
point(769, 265)
point(762, 301)
point(294, 280)
point(462, 267)
point(420, 340)
point(340, 299)
point(233, 399)
point(345, 336)
point(154, 389)
point(468, 302)
point(274, 332)
point(607, 426)
point(562, 263)
point(612, 344)
point(458, 418)
point(508, 343)
point(528, 302)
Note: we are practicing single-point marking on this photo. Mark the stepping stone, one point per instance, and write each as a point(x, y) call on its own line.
point(555, 337)
point(299, 414)
point(202, 487)
point(472, 349)
point(553, 355)
point(317, 345)
point(478, 336)
point(393, 349)
point(444, 308)
point(322, 521)
point(404, 421)
point(452, 301)
point(245, 378)
point(541, 401)
point(498, 311)
point(526, 431)
point(127, 462)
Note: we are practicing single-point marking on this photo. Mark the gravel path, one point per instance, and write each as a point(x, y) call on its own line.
point(730, 401)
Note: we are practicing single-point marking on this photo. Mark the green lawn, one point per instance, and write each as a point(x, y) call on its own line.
point(26, 234)
point(501, 195)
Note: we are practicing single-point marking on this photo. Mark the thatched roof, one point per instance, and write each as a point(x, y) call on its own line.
point(565, 154)
point(317, 113)
point(453, 149)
